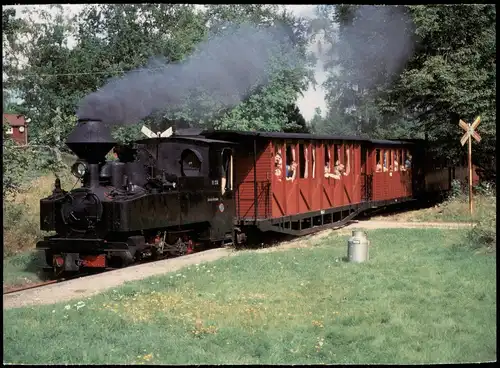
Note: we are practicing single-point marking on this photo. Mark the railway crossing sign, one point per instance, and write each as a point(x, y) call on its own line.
point(467, 137)
point(470, 130)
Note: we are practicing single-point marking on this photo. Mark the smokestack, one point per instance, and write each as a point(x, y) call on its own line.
point(90, 140)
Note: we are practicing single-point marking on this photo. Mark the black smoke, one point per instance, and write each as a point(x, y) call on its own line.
point(226, 68)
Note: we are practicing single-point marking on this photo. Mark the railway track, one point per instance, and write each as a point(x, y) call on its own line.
point(84, 274)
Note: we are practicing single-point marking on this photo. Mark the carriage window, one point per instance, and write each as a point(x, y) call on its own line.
point(391, 159)
point(385, 159)
point(347, 161)
point(408, 161)
point(227, 170)
point(303, 161)
point(396, 160)
point(190, 163)
point(402, 163)
point(327, 161)
point(378, 160)
point(338, 167)
point(313, 151)
point(291, 164)
point(278, 161)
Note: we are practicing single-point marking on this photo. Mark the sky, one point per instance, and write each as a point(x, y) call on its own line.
point(312, 98)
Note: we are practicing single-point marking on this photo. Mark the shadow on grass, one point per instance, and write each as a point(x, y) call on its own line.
point(260, 240)
point(24, 268)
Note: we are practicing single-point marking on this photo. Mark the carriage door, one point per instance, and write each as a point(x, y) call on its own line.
point(366, 176)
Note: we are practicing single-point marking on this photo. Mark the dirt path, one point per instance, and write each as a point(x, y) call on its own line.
point(381, 224)
point(91, 285)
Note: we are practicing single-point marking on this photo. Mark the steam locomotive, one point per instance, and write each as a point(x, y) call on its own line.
point(162, 196)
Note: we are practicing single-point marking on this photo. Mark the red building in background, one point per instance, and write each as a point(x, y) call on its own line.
point(17, 128)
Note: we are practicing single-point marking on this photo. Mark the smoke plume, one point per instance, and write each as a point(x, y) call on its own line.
point(376, 46)
point(226, 67)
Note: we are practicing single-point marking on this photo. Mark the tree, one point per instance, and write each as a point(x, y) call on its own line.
point(446, 72)
point(451, 76)
point(114, 39)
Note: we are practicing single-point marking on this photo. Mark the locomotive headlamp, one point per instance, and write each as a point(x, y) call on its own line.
point(79, 169)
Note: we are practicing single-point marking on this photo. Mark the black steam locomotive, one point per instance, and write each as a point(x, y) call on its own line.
point(162, 196)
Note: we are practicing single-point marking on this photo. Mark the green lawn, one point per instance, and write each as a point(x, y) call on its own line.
point(422, 298)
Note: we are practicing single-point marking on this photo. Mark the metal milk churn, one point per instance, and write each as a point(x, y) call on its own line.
point(357, 247)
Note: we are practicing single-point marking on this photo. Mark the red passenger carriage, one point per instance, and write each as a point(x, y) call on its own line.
point(297, 183)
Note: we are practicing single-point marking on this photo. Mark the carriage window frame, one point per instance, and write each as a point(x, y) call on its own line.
point(347, 158)
point(410, 159)
point(327, 151)
point(293, 157)
point(378, 153)
point(327, 157)
point(277, 165)
point(303, 164)
point(313, 159)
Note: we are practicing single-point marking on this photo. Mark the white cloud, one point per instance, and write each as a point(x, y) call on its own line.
point(307, 103)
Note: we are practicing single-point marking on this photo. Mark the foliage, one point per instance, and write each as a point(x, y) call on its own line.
point(21, 223)
point(16, 160)
point(286, 307)
point(450, 75)
point(113, 39)
point(361, 63)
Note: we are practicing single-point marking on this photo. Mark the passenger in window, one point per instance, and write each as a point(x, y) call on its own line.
point(396, 164)
point(408, 162)
point(278, 164)
point(337, 170)
point(291, 171)
point(378, 168)
point(327, 170)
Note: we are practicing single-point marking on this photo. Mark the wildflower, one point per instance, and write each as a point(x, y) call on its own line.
point(54, 311)
point(67, 307)
point(208, 271)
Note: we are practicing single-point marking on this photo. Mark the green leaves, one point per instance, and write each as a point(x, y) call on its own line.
point(450, 75)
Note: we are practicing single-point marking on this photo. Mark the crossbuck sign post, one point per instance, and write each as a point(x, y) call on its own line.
point(469, 134)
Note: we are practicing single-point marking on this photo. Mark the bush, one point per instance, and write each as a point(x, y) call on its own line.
point(484, 234)
point(21, 228)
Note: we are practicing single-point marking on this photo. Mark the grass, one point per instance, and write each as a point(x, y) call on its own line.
point(423, 297)
point(455, 209)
